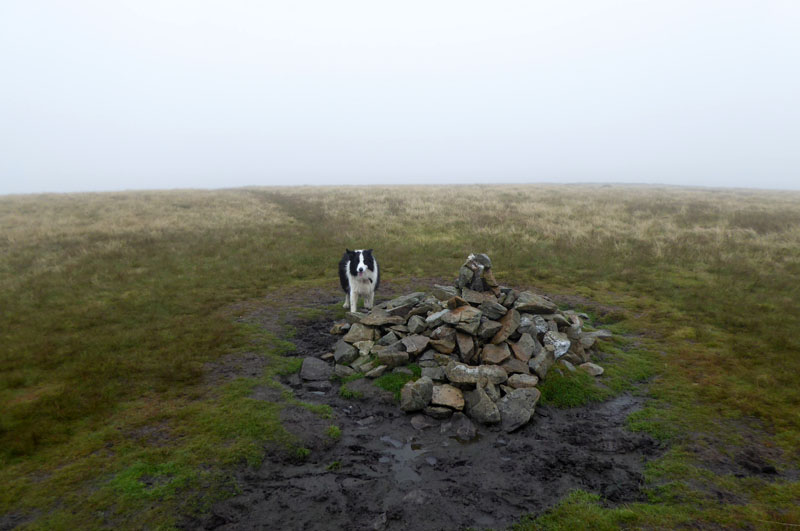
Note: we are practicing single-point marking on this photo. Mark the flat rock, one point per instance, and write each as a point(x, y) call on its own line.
point(438, 412)
point(473, 297)
point(515, 366)
point(344, 353)
point(443, 293)
point(567, 365)
point(339, 329)
point(354, 317)
point(517, 407)
point(443, 339)
point(480, 407)
point(456, 302)
point(520, 381)
point(364, 347)
point(448, 396)
point(466, 346)
point(315, 369)
point(541, 363)
point(415, 344)
point(488, 329)
point(495, 354)
point(380, 317)
point(434, 373)
point(469, 374)
point(416, 324)
point(559, 341)
point(376, 372)
point(492, 310)
point(388, 339)
point(416, 395)
point(359, 332)
point(591, 368)
point(392, 358)
point(525, 348)
point(435, 319)
point(343, 371)
point(509, 324)
point(531, 303)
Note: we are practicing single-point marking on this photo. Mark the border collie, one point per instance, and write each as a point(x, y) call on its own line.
point(359, 275)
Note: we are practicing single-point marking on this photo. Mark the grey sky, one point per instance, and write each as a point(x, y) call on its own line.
point(99, 95)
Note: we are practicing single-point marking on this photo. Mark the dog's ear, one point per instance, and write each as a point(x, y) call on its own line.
point(368, 251)
point(348, 251)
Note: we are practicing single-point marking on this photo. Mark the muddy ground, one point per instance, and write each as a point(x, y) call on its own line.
point(391, 470)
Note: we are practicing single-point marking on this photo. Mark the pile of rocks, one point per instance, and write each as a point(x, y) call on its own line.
point(482, 348)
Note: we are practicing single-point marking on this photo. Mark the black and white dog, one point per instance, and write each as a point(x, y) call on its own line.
point(359, 275)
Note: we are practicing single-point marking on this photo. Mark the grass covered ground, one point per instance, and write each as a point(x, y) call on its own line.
point(113, 304)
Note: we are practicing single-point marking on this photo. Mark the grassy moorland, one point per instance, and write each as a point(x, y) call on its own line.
point(112, 304)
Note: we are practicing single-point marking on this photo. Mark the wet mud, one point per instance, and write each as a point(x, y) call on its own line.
point(392, 470)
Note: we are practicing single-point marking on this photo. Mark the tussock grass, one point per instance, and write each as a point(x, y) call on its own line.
point(111, 304)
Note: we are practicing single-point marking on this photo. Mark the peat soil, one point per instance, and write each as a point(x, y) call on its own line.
point(391, 470)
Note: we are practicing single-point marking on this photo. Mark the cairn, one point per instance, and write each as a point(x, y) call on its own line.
point(482, 348)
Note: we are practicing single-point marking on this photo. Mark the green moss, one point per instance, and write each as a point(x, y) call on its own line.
point(570, 389)
point(334, 432)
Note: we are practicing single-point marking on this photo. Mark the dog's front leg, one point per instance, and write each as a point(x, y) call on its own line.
point(370, 300)
point(346, 300)
point(353, 299)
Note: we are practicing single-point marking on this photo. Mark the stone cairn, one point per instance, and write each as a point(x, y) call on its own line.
point(483, 348)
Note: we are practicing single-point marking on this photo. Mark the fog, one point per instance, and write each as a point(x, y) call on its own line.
point(98, 95)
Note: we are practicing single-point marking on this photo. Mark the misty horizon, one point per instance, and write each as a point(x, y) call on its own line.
point(146, 95)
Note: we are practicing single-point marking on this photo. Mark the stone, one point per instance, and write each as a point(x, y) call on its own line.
point(511, 298)
point(344, 353)
point(567, 365)
point(492, 310)
point(465, 275)
point(380, 317)
point(488, 329)
point(492, 391)
point(320, 386)
point(480, 407)
point(443, 339)
point(400, 330)
point(438, 412)
point(462, 314)
point(392, 358)
point(402, 301)
point(339, 329)
point(376, 372)
point(415, 344)
point(559, 341)
point(466, 346)
point(424, 308)
point(469, 327)
point(456, 302)
point(515, 366)
point(315, 369)
point(359, 362)
point(495, 354)
point(541, 363)
point(448, 396)
point(591, 368)
point(468, 374)
point(572, 358)
point(416, 324)
point(491, 283)
point(517, 407)
point(483, 259)
point(343, 371)
point(444, 293)
point(473, 297)
point(364, 347)
point(520, 381)
point(525, 348)
point(359, 332)
point(435, 319)
point(532, 303)
point(587, 342)
point(354, 317)
point(366, 367)
point(416, 395)
point(388, 339)
point(403, 370)
point(509, 324)
point(434, 373)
